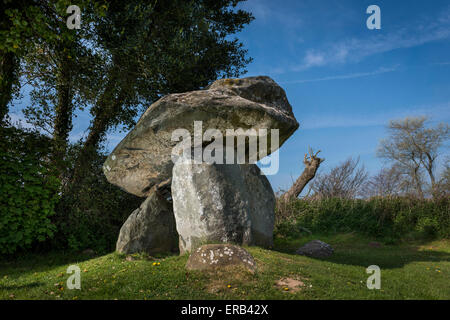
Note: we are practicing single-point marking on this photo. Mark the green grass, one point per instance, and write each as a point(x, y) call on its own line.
point(408, 271)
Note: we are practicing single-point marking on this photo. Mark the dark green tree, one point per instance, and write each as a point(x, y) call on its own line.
point(14, 33)
point(125, 56)
point(159, 47)
point(59, 71)
point(24, 26)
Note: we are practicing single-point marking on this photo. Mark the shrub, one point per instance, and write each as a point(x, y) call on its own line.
point(28, 189)
point(91, 213)
point(37, 211)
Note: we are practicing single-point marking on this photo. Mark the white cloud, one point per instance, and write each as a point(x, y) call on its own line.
point(19, 120)
point(356, 49)
point(442, 63)
point(75, 137)
point(313, 59)
point(345, 76)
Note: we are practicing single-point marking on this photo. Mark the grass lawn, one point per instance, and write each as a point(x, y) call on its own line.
point(408, 271)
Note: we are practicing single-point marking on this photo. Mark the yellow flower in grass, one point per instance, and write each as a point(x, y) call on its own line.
point(229, 286)
point(286, 289)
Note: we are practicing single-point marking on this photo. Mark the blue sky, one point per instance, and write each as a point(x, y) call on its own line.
point(344, 81)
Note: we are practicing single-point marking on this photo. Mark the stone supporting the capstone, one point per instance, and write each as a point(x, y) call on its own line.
point(222, 203)
point(150, 228)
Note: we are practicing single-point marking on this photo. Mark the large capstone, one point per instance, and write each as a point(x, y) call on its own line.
point(143, 158)
point(150, 228)
point(222, 203)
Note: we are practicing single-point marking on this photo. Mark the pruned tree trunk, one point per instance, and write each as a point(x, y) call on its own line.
point(8, 76)
point(312, 163)
point(106, 110)
point(62, 123)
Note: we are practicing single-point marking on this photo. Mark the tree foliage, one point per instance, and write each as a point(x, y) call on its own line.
point(28, 189)
point(92, 215)
point(126, 55)
point(24, 26)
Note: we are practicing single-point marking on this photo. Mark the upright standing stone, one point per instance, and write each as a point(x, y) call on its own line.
point(150, 228)
point(225, 203)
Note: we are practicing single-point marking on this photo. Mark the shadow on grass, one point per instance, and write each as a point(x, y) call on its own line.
point(23, 286)
point(386, 258)
point(25, 264)
point(356, 251)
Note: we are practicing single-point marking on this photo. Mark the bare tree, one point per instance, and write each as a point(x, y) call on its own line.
point(443, 186)
point(343, 181)
point(387, 183)
point(414, 146)
point(312, 163)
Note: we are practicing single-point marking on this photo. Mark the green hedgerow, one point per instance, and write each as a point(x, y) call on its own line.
point(390, 218)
